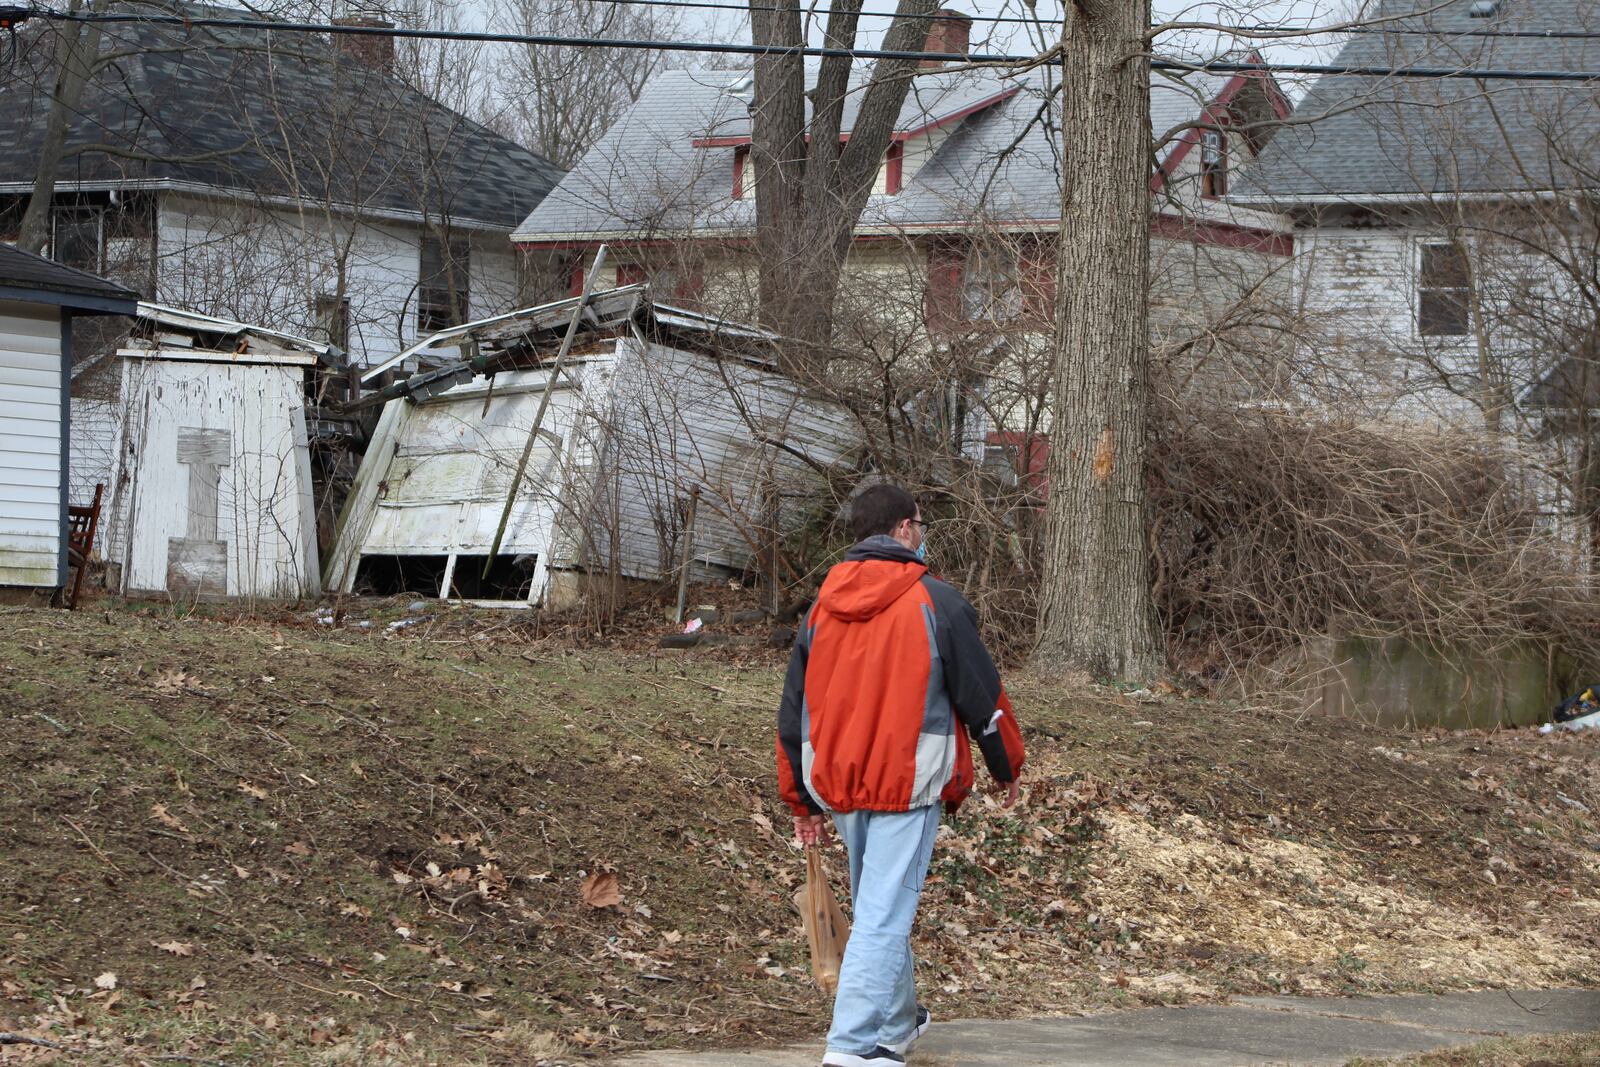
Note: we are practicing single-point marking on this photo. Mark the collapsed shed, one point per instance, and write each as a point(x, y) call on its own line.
point(667, 434)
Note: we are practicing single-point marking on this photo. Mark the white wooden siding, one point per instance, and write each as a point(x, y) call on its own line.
point(437, 473)
point(267, 265)
point(1358, 290)
point(649, 425)
point(31, 443)
point(262, 508)
point(678, 420)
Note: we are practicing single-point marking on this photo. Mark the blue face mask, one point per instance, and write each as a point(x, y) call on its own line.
point(922, 549)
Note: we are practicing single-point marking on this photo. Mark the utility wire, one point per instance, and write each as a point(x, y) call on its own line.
point(1277, 30)
point(1209, 67)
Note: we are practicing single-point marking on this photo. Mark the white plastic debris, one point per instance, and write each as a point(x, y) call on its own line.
point(692, 626)
point(1590, 721)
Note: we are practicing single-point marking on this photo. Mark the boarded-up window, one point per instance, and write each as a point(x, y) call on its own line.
point(442, 283)
point(1443, 286)
point(942, 302)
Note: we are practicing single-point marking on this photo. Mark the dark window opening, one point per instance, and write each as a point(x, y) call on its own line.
point(1443, 286)
point(1213, 163)
point(77, 241)
point(400, 575)
point(442, 292)
point(510, 577)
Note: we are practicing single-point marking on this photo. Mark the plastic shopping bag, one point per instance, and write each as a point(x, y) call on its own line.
point(826, 929)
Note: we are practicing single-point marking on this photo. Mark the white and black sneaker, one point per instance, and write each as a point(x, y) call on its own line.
point(924, 1020)
point(878, 1057)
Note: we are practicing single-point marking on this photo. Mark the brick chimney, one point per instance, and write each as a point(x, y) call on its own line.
point(376, 50)
point(950, 32)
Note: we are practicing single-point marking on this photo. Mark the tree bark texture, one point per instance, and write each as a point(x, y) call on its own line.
point(1096, 612)
point(810, 188)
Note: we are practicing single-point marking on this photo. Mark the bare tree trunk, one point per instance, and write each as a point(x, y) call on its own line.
point(778, 154)
point(1096, 612)
point(75, 52)
point(810, 187)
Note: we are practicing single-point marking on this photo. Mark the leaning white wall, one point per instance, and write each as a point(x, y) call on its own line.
point(609, 480)
point(31, 443)
point(680, 421)
point(437, 474)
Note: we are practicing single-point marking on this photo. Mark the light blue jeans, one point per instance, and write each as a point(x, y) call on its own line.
point(877, 1000)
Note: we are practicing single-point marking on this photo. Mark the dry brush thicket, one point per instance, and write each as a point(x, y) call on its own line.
point(1272, 526)
point(1271, 523)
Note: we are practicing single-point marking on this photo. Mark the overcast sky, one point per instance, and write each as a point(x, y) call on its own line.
point(1013, 38)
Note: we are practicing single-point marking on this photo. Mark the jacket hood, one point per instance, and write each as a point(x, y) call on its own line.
point(875, 573)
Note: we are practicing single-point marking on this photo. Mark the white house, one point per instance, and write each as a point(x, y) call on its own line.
point(1445, 231)
point(290, 181)
point(1434, 219)
point(671, 433)
point(39, 301)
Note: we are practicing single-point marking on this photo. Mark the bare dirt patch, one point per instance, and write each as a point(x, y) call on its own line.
point(373, 846)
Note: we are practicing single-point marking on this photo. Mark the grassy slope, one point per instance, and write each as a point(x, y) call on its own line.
point(360, 846)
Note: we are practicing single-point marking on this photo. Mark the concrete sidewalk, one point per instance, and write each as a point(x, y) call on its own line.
point(1248, 1030)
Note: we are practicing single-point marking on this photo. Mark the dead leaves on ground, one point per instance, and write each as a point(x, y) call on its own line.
point(160, 814)
point(601, 890)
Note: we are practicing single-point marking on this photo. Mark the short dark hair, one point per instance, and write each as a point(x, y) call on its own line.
point(879, 510)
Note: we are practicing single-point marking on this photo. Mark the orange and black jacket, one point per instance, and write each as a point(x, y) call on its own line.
point(888, 664)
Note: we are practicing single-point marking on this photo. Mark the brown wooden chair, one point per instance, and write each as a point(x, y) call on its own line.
point(82, 521)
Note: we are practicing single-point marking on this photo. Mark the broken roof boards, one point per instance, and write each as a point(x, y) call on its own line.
point(659, 401)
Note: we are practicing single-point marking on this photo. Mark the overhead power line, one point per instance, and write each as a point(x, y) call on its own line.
point(1276, 30)
point(1179, 27)
point(712, 47)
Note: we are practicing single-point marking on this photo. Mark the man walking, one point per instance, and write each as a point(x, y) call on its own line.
point(887, 662)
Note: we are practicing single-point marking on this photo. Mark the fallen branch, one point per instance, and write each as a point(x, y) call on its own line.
point(92, 846)
point(8, 1038)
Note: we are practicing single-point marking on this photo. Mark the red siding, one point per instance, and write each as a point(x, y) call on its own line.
point(942, 303)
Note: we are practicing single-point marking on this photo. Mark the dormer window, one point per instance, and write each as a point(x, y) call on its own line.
point(888, 181)
point(1213, 163)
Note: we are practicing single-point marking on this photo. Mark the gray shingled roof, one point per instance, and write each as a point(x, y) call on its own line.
point(647, 178)
point(271, 113)
point(1363, 137)
point(24, 270)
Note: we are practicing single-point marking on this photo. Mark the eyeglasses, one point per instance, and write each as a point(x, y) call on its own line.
point(919, 522)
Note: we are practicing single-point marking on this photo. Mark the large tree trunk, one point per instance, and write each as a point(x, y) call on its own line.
point(810, 188)
point(75, 52)
point(1096, 612)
